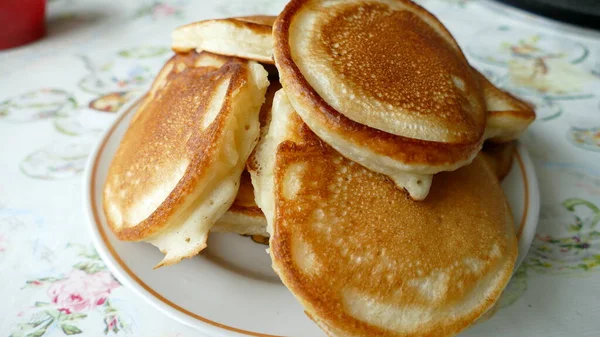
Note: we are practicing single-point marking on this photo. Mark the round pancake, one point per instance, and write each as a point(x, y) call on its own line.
point(246, 37)
point(382, 82)
point(178, 167)
point(365, 260)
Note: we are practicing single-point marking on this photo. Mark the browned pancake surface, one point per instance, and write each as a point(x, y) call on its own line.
point(391, 58)
point(398, 59)
point(363, 258)
point(163, 155)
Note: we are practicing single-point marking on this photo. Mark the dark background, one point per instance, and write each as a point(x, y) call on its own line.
point(584, 13)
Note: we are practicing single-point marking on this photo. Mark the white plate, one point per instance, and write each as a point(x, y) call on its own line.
point(230, 289)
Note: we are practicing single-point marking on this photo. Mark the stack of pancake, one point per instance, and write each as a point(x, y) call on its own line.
point(363, 166)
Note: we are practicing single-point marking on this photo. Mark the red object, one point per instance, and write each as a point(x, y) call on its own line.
point(22, 21)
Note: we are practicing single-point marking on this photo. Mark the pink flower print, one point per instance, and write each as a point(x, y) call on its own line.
point(164, 9)
point(544, 238)
point(112, 323)
point(80, 291)
point(65, 311)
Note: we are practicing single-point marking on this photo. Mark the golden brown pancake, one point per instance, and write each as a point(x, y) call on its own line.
point(365, 260)
point(384, 83)
point(246, 37)
point(508, 116)
point(500, 157)
point(178, 167)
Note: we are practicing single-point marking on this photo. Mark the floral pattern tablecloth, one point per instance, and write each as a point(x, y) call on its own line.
point(57, 95)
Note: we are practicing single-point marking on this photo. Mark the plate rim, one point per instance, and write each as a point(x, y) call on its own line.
point(204, 325)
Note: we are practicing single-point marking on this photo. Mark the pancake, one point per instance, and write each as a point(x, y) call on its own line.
point(365, 260)
point(384, 83)
point(178, 167)
point(499, 157)
point(508, 116)
point(243, 217)
point(246, 37)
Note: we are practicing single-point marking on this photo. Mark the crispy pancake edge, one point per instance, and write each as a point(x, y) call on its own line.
point(258, 24)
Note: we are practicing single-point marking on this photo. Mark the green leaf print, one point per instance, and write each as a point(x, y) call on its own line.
point(33, 329)
point(40, 281)
point(143, 52)
point(54, 313)
point(86, 252)
point(70, 329)
point(583, 266)
point(570, 205)
point(575, 228)
point(38, 333)
point(544, 249)
point(106, 66)
point(73, 317)
point(90, 267)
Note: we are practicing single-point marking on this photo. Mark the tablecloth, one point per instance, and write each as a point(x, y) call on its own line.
point(57, 95)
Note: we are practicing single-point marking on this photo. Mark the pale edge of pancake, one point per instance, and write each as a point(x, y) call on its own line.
point(261, 172)
point(505, 126)
point(242, 224)
point(186, 234)
point(225, 38)
point(508, 116)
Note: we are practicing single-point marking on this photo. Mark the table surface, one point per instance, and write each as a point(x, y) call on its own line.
point(57, 95)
